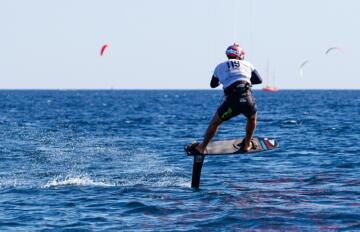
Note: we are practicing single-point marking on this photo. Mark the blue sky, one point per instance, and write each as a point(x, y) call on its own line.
point(175, 44)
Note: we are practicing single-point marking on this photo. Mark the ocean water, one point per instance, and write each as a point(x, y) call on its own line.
point(114, 161)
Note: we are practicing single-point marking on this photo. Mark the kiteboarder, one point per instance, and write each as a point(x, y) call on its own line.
point(236, 76)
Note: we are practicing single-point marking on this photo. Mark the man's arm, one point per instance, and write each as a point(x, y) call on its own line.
point(214, 82)
point(255, 78)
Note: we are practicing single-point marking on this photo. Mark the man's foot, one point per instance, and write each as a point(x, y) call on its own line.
point(200, 148)
point(246, 147)
point(196, 148)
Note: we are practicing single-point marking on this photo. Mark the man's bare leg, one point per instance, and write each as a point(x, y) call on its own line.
point(250, 128)
point(210, 132)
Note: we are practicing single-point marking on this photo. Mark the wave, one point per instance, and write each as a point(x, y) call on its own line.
point(11, 183)
point(160, 181)
point(77, 181)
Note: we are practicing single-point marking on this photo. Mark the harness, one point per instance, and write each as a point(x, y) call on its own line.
point(239, 88)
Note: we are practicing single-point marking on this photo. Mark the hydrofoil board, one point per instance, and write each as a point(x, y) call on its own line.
point(233, 146)
point(225, 147)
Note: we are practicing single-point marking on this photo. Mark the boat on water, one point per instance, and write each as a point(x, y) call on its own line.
point(268, 87)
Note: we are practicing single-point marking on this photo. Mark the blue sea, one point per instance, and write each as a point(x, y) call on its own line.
point(114, 161)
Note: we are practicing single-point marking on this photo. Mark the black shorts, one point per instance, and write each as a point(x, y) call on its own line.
point(237, 103)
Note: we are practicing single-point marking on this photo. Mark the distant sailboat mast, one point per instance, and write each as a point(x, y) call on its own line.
point(267, 73)
point(274, 79)
point(268, 87)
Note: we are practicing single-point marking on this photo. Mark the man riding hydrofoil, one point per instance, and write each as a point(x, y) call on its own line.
point(236, 76)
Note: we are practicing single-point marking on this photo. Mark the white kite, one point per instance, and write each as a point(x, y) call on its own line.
point(301, 67)
point(333, 49)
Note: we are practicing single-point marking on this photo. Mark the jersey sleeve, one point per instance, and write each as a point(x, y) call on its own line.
point(216, 71)
point(252, 67)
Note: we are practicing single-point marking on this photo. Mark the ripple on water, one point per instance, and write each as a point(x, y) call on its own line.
point(114, 161)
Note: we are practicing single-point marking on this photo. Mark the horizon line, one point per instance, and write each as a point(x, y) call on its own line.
point(144, 89)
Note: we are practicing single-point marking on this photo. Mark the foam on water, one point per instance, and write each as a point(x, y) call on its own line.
point(149, 168)
point(77, 181)
point(10, 183)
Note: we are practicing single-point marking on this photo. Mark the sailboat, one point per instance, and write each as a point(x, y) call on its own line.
point(268, 87)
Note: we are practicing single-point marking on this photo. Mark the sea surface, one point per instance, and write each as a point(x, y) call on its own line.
point(114, 161)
